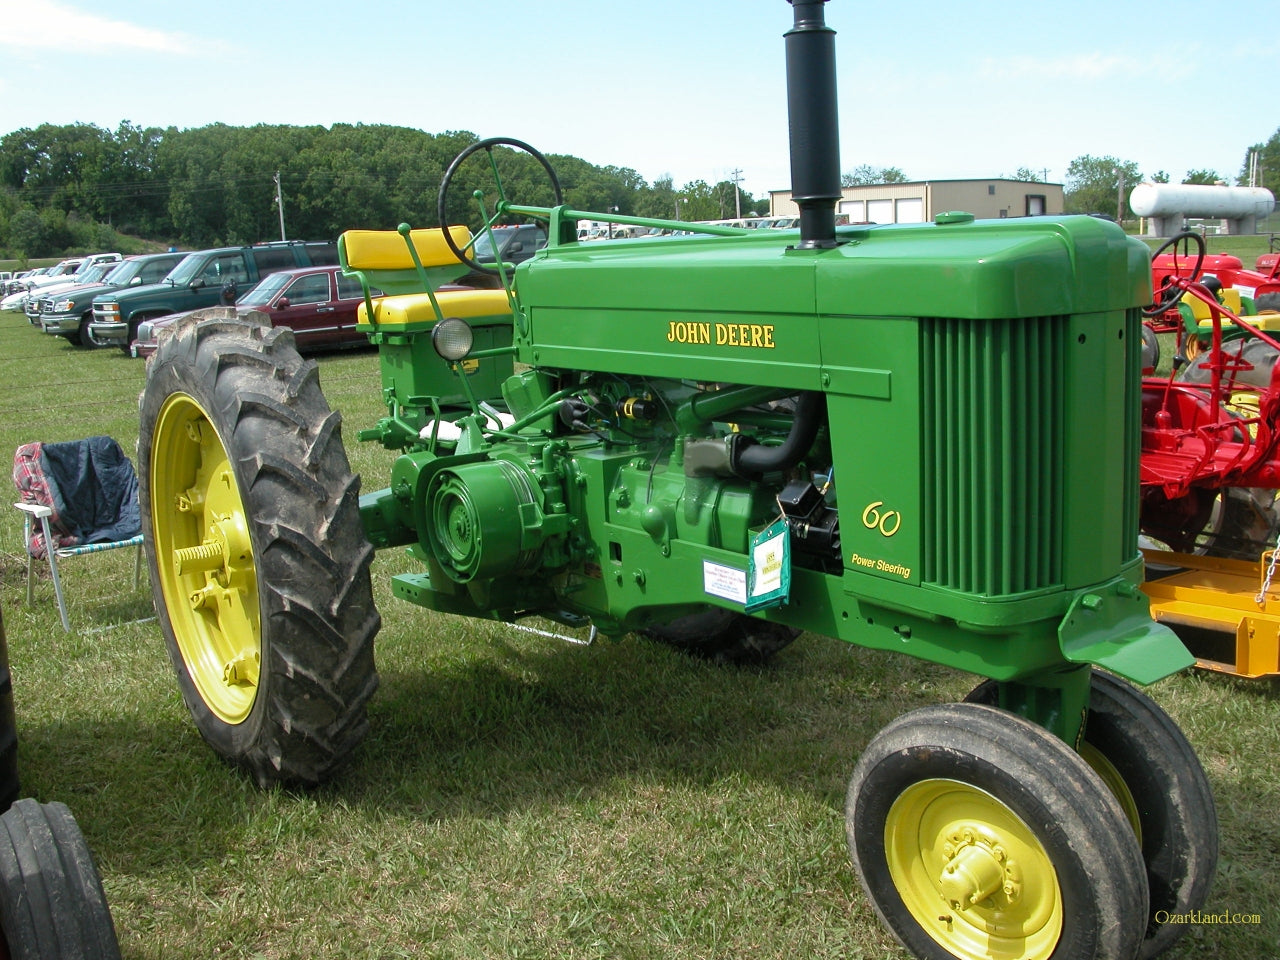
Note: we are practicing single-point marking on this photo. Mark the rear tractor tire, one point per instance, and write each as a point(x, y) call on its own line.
point(259, 563)
point(1247, 527)
point(724, 636)
point(9, 783)
point(1259, 354)
point(51, 902)
point(1150, 348)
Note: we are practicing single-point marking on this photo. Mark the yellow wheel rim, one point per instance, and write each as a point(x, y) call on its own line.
point(971, 873)
point(205, 559)
point(1115, 783)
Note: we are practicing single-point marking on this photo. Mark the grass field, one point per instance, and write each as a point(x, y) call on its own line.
point(517, 796)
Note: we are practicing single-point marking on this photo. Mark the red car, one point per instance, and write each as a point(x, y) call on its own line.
point(318, 303)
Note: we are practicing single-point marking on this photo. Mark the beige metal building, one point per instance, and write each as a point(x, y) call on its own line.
point(921, 201)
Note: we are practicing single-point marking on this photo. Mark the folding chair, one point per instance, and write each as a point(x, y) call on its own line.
point(83, 495)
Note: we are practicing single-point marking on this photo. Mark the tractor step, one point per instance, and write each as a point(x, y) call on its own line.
point(1210, 600)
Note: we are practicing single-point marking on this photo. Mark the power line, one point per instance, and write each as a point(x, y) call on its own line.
point(163, 187)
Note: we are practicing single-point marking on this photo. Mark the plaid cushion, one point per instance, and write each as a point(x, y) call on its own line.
point(33, 487)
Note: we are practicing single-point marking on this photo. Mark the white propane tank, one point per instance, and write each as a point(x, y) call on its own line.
point(1199, 200)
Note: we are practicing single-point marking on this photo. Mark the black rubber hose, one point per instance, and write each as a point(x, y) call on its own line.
point(755, 459)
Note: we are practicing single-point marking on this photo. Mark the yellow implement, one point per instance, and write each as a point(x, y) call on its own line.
point(1227, 597)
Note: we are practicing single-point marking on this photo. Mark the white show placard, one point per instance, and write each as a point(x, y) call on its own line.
point(726, 582)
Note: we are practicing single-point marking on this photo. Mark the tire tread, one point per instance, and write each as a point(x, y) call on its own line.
point(312, 559)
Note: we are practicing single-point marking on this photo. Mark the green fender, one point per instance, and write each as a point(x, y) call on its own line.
point(1111, 627)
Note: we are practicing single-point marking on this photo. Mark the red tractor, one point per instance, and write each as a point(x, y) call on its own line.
point(1210, 462)
point(1241, 290)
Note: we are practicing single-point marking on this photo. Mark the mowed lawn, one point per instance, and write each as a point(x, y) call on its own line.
point(518, 796)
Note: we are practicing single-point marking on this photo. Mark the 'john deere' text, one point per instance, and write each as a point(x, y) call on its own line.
point(721, 334)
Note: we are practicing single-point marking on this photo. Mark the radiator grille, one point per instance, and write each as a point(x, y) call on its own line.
point(992, 398)
point(1132, 432)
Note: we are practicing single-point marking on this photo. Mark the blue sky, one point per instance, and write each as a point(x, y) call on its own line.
point(693, 89)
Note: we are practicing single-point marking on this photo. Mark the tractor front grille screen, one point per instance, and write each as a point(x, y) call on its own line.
point(1132, 432)
point(992, 396)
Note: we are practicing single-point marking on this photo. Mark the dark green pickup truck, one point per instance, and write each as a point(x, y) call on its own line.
point(204, 279)
point(69, 313)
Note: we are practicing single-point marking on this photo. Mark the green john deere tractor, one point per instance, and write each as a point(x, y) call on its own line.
point(917, 438)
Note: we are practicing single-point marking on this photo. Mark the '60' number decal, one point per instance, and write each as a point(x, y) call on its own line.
point(886, 521)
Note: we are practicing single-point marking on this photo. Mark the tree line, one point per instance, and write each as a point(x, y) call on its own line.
point(79, 186)
point(1102, 184)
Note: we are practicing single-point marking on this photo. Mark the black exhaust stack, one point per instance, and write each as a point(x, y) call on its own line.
point(813, 123)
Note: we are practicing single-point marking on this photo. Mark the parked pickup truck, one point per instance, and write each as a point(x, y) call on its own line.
point(90, 274)
point(202, 279)
point(69, 313)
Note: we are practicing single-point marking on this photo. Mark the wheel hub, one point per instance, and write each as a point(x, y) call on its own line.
point(977, 870)
point(972, 873)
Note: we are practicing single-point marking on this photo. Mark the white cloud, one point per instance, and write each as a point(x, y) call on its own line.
point(46, 24)
point(1083, 67)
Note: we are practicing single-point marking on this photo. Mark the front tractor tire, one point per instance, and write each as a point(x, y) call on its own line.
point(1151, 768)
point(259, 564)
point(978, 834)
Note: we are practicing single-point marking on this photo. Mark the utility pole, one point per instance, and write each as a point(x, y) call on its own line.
point(1120, 196)
point(737, 194)
point(280, 204)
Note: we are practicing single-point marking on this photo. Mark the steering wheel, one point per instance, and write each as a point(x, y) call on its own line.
point(1172, 292)
point(463, 253)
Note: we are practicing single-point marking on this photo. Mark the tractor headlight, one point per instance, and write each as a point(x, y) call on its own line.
point(452, 338)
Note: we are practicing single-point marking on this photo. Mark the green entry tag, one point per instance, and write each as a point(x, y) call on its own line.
point(769, 567)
